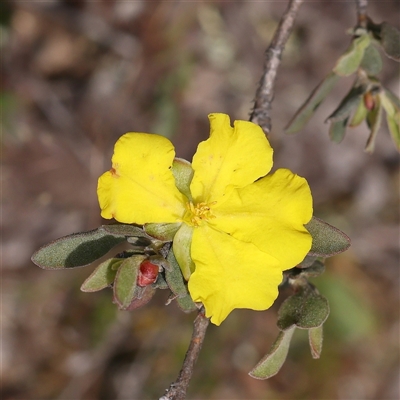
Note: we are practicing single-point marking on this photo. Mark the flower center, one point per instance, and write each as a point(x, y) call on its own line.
point(196, 213)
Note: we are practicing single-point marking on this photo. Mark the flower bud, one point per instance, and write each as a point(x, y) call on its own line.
point(369, 101)
point(148, 273)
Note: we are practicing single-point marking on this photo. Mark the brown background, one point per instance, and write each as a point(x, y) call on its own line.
point(78, 74)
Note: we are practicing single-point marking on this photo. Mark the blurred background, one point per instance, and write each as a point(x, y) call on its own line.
point(78, 74)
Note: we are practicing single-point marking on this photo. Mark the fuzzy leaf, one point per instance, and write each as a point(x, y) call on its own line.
point(308, 108)
point(315, 338)
point(372, 60)
point(305, 309)
point(76, 250)
point(141, 297)
point(393, 122)
point(359, 115)
point(103, 276)
point(272, 362)
point(348, 104)
point(174, 277)
point(391, 105)
point(337, 130)
point(390, 40)
point(348, 63)
point(125, 230)
point(163, 232)
point(316, 269)
point(374, 121)
point(183, 174)
point(393, 99)
point(327, 240)
point(125, 281)
point(186, 304)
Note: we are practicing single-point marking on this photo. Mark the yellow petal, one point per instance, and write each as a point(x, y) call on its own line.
point(271, 214)
point(140, 187)
point(231, 274)
point(232, 157)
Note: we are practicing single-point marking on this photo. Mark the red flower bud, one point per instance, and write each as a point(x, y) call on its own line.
point(369, 101)
point(148, 273)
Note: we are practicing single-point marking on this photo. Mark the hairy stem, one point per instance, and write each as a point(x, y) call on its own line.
point(178, 389)
point(265, 91)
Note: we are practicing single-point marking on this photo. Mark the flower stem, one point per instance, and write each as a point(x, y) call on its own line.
point(178, 389)
point(265, 91)
point(362, 18)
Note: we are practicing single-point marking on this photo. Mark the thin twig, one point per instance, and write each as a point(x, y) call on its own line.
point(362, 18)
point(178, 389)
point(265, 91)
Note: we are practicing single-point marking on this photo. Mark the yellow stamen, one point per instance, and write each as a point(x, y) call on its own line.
point(199, 212)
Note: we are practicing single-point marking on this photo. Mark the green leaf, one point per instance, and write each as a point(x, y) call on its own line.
point(103, 276)
point(186, 304)
point(348, 63)
point(337, 130)
point(125, 230)
point(393, 99)
point(174, 277)
point(372, 60)
point(390, 40)
point(391, 105)
point(183, 174)
point(374, 121)
point(327, 240)
point(316, 269)
point(272, 362)
point(164, 232)
point(315, 338)
point(348, 104)
point(125, 281)
point(141, 297)
point(308, 108)
point(393, 122)
point(181, 247)
point(359, 115)
point(76, 250)
point(305, 309)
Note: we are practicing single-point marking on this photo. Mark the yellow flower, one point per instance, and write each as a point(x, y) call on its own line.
point(237, 229)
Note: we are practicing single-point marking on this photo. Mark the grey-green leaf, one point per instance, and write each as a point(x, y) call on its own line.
point(76, 250)
point(103, 276)
point(337, 130)
point(305, 309)
point(374, 121)
point(348, 63)
point(272, 362)
point(393, 122)
point(125, 230)
point(326, 239)
point(390, 41)
point(316, 269)
point(139, 300)
point(359, 115)
point(183, 174)
point(174, 277)
point(164, 232)
point(315, 338)
point(186, 304)
point(308, 108)
point(125, 281)
point(372, 60)
point(348, 104)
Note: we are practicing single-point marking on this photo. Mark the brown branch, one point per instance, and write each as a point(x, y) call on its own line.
point(362, 19)
point(265, 91)
point(178, 389)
